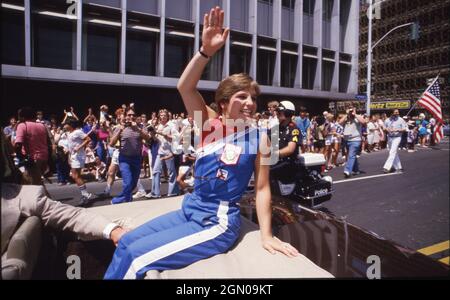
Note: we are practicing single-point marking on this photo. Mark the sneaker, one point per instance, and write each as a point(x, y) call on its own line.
point(356, 173)
point(172, 195)
point(139, 195)
point(347, 174)
point(410, 150)
point(386, 171)
point(358, 156)
point(399, 171)
point(151, 196)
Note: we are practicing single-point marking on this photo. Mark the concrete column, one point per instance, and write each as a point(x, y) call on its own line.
point(79, 36)
point(253, 29)
point(298, 38)
point(353, 38)
point(226, 6)
point(318, 30)
point(27, 15)
point(335, 40)
point(276, 33)
point(162, 37)
point(197, 19)
point(123, 37)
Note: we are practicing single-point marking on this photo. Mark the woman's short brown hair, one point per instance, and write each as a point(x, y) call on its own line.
point(233, 84)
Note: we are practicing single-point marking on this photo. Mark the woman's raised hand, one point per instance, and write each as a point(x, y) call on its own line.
point(213, 36)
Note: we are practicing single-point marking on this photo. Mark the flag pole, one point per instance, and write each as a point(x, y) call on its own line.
point(415, 103)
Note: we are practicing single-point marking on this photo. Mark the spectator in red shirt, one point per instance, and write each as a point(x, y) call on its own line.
point(31, 146)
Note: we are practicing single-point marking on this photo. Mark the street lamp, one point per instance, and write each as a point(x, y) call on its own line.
point(414, 36)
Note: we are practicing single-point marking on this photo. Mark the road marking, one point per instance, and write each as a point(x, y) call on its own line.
point(445, 260)
point(366, 177)
point(435, 248)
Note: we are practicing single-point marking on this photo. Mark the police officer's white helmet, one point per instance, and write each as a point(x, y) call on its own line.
point(287, 107)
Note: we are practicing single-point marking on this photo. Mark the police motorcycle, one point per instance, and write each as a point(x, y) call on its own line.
point(300, 177)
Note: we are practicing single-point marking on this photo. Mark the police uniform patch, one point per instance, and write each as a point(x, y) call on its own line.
point(222, 174)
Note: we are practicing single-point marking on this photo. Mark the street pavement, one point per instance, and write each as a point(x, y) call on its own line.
point(411, 208)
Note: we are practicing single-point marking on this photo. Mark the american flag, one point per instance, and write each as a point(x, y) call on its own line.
point(430, 100)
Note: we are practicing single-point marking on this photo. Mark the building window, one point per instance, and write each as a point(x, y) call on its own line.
point(287, 19)
point(265, 66)
point(344, 77)
point(213, 70)
point(53, 35)
point(309, 72)
point(327, 75)
point(101, 39)
point(343, 19)
point(13, 33)
point(179, 9)
point(326, 23)
point(308, 7)
point(178, 53)
point(142, 44)
point(206, 5)
point(308, 21)
point(288, 69)
point(147, 6)
point(239, 15)
point(110, 3)
point(265, 17)
point(240, 59)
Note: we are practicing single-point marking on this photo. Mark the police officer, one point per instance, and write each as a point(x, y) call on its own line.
point(289, 142)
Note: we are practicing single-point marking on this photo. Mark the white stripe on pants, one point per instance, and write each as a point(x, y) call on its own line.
point(393, 159)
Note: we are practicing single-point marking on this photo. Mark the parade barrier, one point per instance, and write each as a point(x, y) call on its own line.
point(247, 258)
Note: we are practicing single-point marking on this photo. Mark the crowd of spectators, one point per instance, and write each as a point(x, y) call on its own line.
point(160, 146)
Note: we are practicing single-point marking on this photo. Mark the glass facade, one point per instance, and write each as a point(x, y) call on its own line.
point(13, 33)
point(178, 52)
point(53, 35)
point(128, 40)
point(265, 17)
point(240, 59)
point(287, 20)
point(309, 72)
point(327, 75)
point(288, 69)
point(308, 21)
point(265, 66)
point(101, 39)
point(142, 44)
point(326, 23)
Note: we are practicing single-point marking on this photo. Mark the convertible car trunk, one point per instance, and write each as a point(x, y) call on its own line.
point(247, 259)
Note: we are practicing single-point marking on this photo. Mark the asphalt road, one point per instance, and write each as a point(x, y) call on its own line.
point(411, 208)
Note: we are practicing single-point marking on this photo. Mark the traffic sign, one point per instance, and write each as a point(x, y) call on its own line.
point(361, 97)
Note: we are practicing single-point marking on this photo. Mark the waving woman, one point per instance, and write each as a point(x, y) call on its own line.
point(209, 221)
